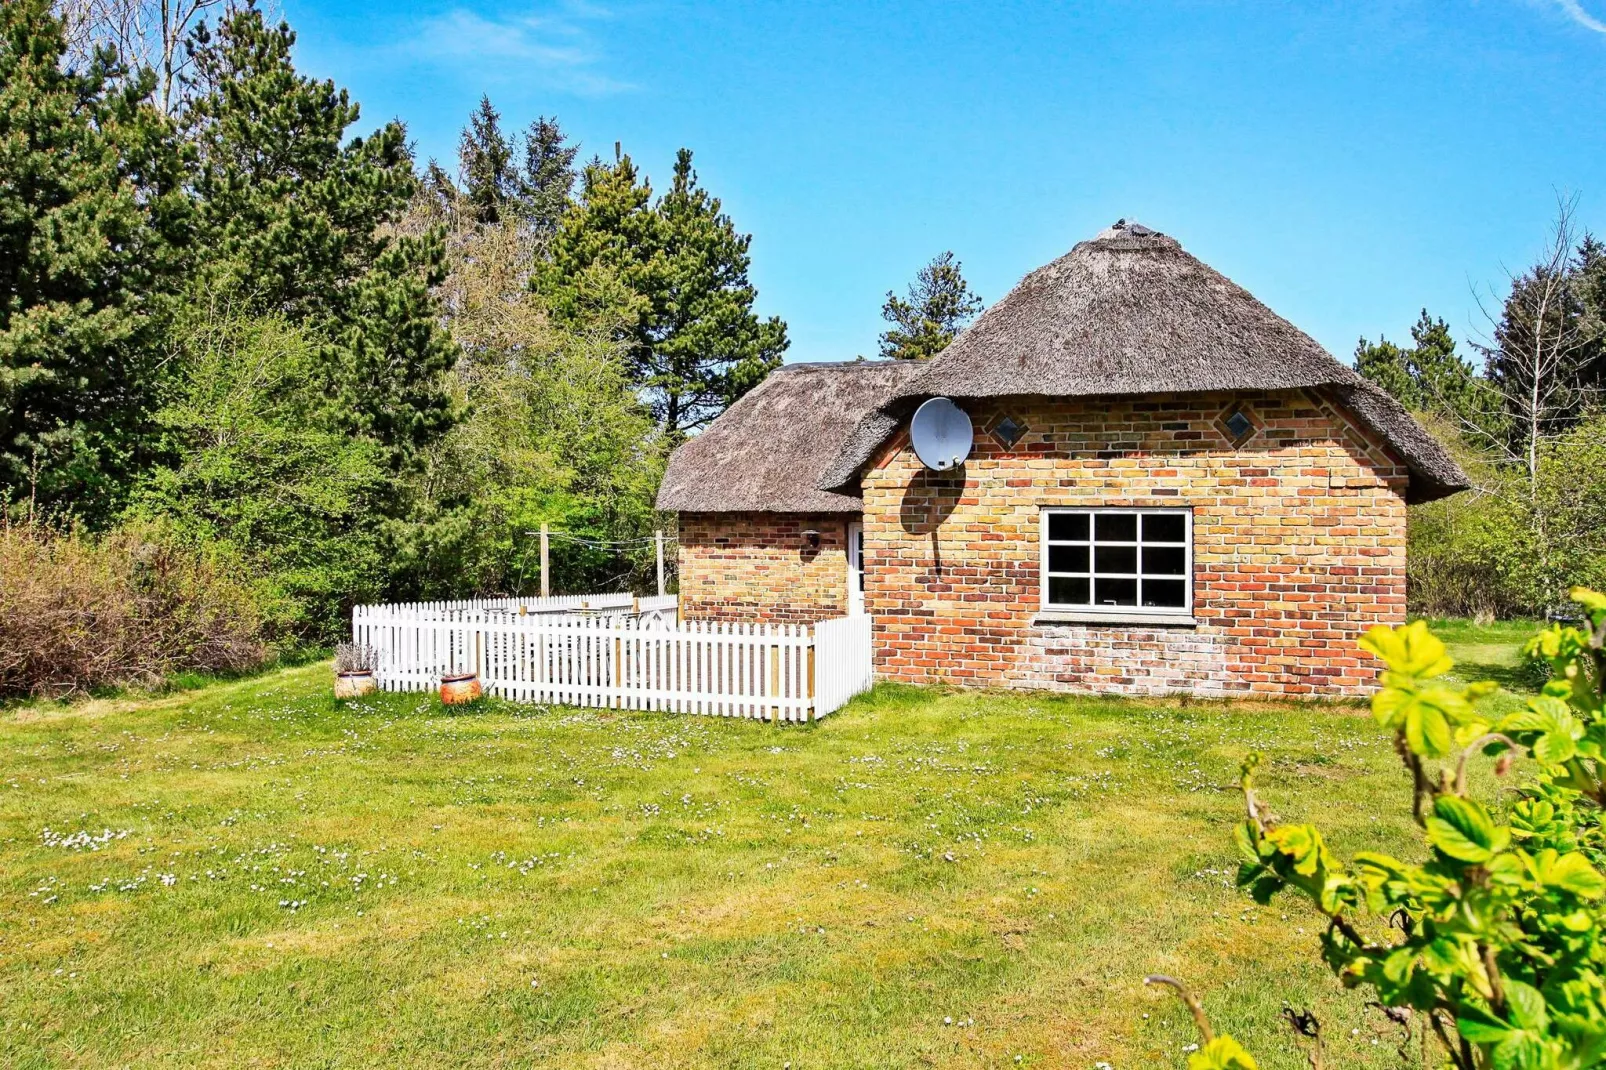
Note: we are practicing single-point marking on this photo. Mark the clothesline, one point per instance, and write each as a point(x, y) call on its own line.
point(602, 544)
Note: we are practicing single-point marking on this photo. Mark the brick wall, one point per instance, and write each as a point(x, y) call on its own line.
point(757, 567)
point(1299, 545)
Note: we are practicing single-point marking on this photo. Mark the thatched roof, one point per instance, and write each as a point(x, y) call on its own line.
point(767, 452)
point(1130, 312)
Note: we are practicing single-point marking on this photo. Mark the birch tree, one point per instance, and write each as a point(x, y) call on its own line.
point(1538, 356)
point(145, 33)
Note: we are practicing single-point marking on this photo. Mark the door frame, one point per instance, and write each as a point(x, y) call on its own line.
point(855, 577)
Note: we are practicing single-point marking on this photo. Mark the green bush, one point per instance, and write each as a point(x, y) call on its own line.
point(262, 467)
point(1510, 546)
point(1494, 943)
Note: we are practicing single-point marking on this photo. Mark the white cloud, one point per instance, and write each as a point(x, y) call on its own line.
point(558, 45)
point(1575, 11)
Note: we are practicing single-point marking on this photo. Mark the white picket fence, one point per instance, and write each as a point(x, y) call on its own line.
point(561, 603)
point(842, 663)
point(623, 661)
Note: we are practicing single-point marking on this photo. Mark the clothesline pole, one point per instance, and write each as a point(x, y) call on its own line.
point(658, 544)
point(546, 572)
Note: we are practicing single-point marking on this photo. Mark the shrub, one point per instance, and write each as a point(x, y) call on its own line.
point(1494, 943)
point(1511, 545)
point(134, 606)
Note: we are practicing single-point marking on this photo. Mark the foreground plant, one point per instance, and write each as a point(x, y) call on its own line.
point(1493, 944)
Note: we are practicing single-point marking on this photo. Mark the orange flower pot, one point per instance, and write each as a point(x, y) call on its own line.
point(460, 688)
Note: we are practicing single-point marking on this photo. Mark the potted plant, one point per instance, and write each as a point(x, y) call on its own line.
point(355, 664)
point(458, 688)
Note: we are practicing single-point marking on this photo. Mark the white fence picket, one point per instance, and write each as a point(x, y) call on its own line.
point(622, 660)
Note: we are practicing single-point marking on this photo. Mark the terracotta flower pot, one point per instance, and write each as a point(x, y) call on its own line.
point(459, 688)
point(354, 684)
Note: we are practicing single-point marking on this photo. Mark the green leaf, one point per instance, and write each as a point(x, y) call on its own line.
point(1411, 650)
point(1593, 601)
point(1573, 873)
point(1389, 706)
point(1427, 731)
point(1527, 1006)
point(1521, 1050)
point(1480, 1027)
point(1222, 1053)
point(1463, 830)
point(1528, 720)
point(1302, 844)
point(1244, 836)
point(1557, 729)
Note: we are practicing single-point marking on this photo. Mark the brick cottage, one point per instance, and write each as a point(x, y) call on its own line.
point(1171, 489)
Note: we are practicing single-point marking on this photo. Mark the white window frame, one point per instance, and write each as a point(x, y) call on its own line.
point(1182, 613)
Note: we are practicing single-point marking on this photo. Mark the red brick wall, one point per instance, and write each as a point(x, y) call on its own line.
point(1299, 545)
point(758, 567)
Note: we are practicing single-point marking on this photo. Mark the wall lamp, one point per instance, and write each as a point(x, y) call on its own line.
point(812, 537)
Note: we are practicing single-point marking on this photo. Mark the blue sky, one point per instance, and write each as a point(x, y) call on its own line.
point(1348, 163)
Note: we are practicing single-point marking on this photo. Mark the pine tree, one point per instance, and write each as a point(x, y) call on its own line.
point(669, 279)
point(548, 179)
point(294, 220)
point(1428, 377)
point(939, 305)
point(489, 177)
point(1389, 366)
point(713, 348)
point(91, 221)
point(606, 258)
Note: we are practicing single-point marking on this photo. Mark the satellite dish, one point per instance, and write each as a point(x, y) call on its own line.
point(941, 434)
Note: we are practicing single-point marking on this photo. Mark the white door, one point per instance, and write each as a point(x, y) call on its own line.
point(855, 569)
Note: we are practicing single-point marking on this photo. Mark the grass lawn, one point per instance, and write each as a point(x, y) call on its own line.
point(248, 875)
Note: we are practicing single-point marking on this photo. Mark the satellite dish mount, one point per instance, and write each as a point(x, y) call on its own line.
point(941, 434)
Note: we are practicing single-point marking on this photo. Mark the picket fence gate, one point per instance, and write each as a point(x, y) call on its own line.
point(787, 672)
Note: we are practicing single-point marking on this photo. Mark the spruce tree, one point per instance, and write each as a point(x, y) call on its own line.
point(91, 221)
point(669, 279)
point(1589, 268)
point(294, 222)
point(548, 179)
point(488, 176)
point(939, 305)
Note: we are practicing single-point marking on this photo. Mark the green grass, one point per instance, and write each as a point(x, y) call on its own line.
point(1490, 651)
point(290, 883)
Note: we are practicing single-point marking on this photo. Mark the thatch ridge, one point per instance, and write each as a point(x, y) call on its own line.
point(1129, 313)
point(769, 451)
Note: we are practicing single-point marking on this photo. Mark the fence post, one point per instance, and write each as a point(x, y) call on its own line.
point(775, 682)
point(814, 638)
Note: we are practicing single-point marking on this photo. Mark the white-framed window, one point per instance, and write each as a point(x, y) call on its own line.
point(1118, 560)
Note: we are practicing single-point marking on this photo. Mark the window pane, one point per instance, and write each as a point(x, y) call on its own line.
point(1119, 527)
point(1164, 527)
point(1115, 558)
point(1067, 558)
point(1067, 526)
point(1164, 560)
point(1067, 592)
point(1164, 594)
point(1110, 592)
